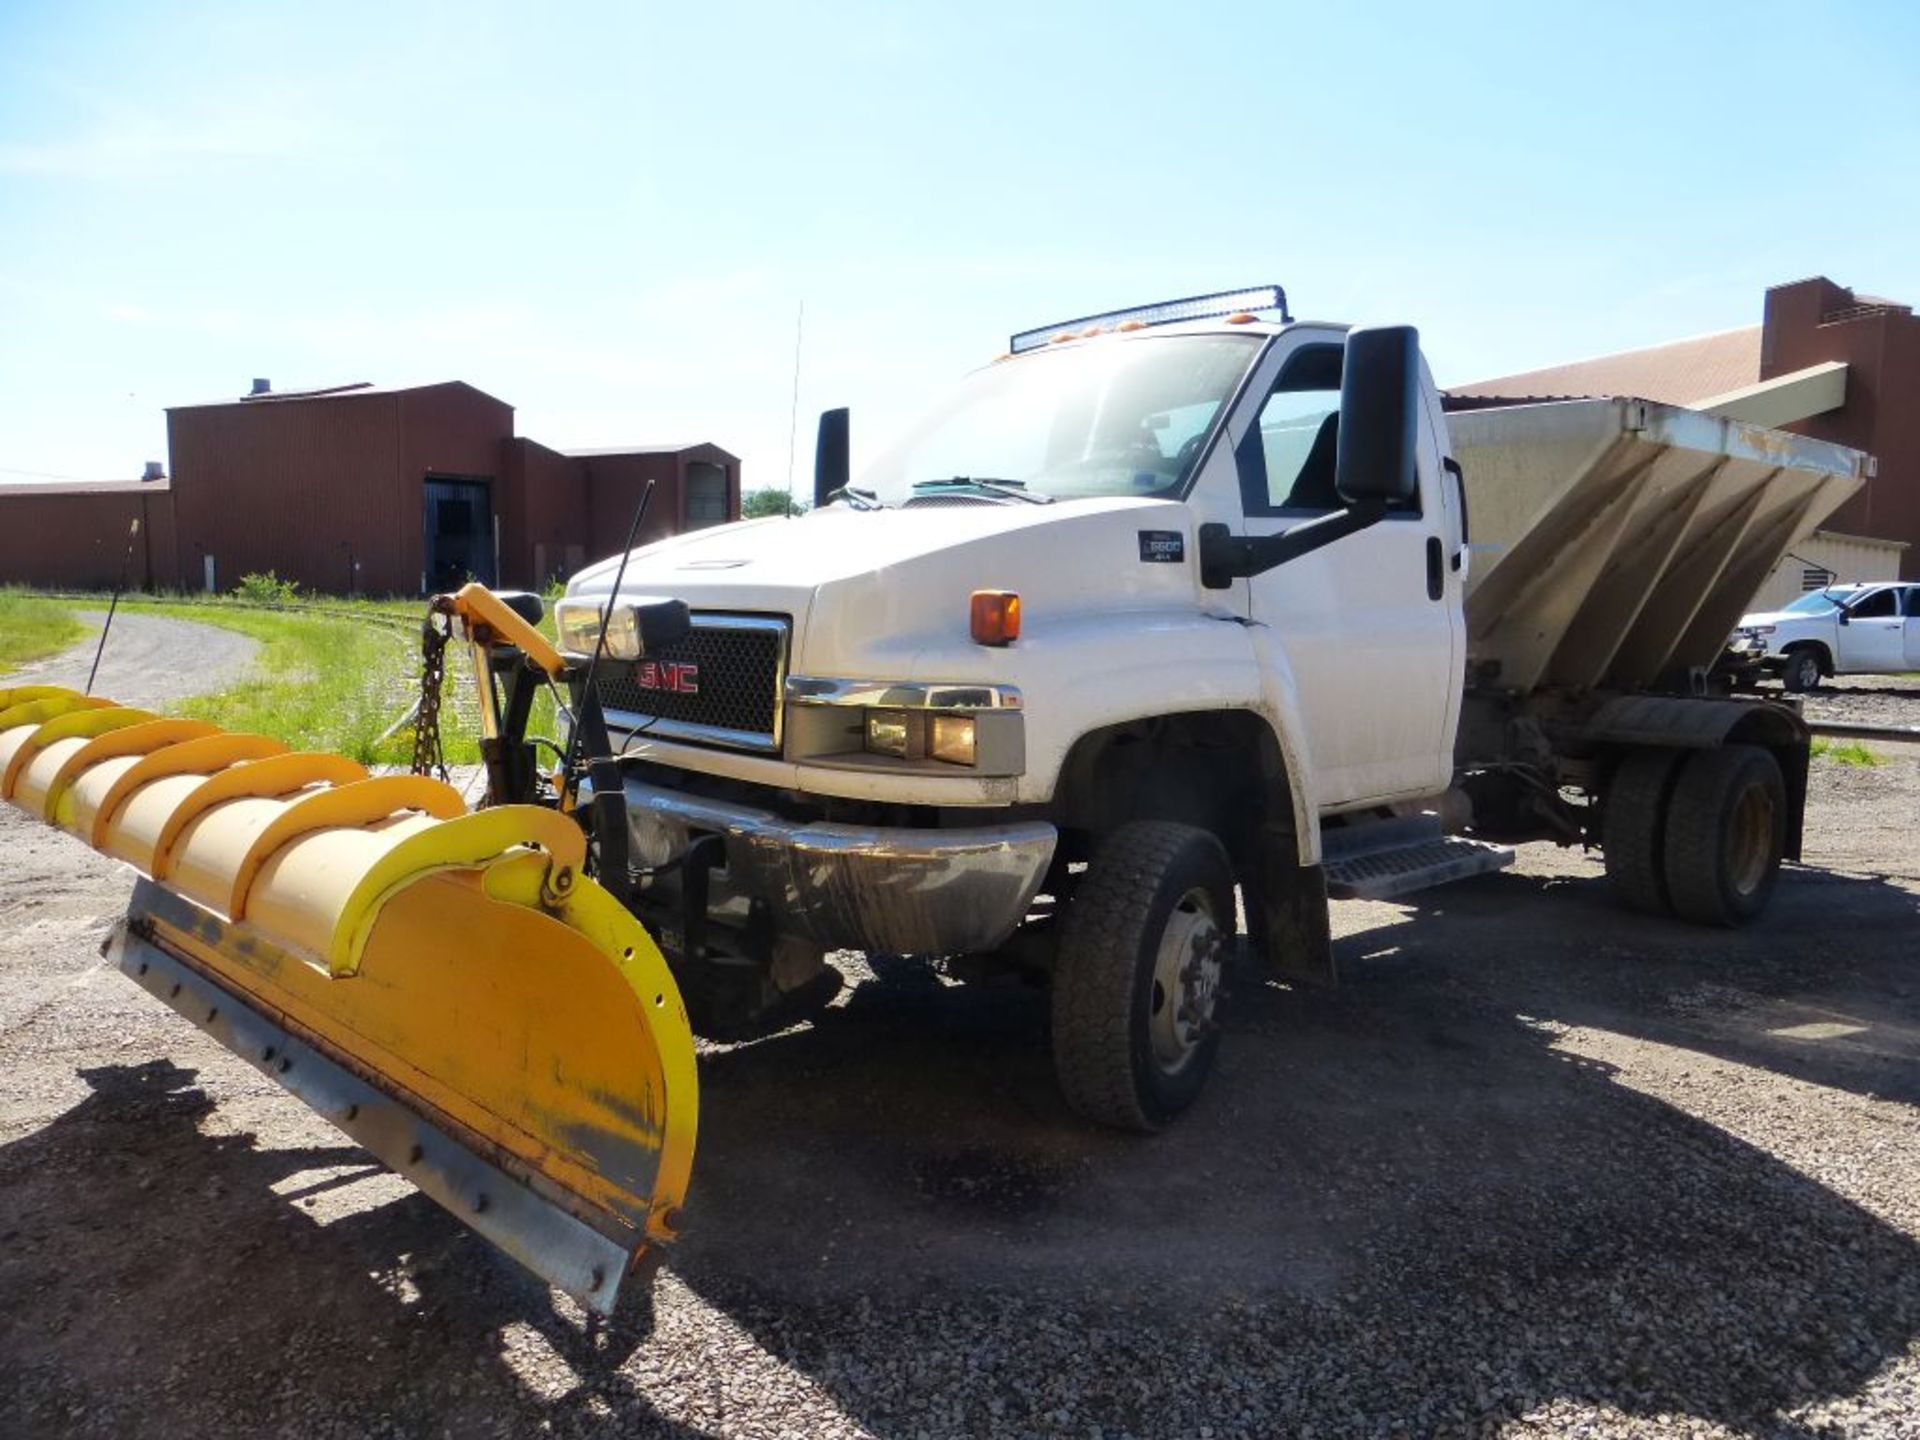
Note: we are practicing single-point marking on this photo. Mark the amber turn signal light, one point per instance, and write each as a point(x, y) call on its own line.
point(995, 617)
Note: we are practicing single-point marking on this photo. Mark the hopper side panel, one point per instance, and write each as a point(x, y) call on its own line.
point(1522, 611)
point(1676, 598)
point(1678, 486)
point(1747, 570)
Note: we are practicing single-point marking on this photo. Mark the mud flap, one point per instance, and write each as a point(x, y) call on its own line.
point(447, 988)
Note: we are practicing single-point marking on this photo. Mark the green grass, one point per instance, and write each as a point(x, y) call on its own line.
point(324, 679)
point(32, 626)
point(1844, 752)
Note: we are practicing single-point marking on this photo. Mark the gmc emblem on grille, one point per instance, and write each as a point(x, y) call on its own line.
point(676, 677)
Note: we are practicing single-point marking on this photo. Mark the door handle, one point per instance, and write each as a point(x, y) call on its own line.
point(1436, 568)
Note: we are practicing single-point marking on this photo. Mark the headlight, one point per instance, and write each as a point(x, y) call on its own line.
point(577, 623)
point(918, 735)
point(952, 739)
point(891, 732)
point(1761, 629)
point(638, 627)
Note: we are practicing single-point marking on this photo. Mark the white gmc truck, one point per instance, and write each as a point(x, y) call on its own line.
point(1154, 634)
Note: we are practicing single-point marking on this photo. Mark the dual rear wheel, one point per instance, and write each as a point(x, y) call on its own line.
point(1696, 833)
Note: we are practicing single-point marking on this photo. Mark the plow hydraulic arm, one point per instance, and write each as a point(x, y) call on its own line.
point(450, 988)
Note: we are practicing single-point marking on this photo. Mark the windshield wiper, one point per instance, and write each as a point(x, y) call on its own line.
point(856, 497)
point(1012, 489)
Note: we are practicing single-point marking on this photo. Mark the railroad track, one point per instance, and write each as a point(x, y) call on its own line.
point(358, 614)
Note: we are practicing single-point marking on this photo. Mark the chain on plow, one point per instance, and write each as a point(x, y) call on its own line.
point(428, 756)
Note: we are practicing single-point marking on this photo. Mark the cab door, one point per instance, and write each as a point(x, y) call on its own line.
point(1873, 640)
point(1371, 624)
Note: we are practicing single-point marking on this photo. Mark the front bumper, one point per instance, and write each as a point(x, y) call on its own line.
point(891, 890)
point(1744, 653)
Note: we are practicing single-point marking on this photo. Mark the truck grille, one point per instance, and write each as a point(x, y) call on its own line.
point(720, 686)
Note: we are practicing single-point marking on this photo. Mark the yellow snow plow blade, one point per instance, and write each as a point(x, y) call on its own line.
point(449, 988)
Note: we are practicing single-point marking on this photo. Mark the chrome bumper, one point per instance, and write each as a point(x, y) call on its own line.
point(855, 887)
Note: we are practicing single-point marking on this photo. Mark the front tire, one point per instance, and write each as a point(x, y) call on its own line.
point(1137, 979)
point(1802, 671)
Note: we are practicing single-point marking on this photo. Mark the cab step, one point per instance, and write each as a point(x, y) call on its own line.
point(1385, 858)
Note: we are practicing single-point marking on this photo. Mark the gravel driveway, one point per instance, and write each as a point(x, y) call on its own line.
point(150, 660)
point(1539, 1167)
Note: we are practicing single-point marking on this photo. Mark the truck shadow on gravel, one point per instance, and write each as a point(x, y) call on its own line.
point(1398, 1203)
point(1824, 989)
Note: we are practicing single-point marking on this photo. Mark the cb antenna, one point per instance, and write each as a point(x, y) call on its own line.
point(589, 701)
point(126, 564)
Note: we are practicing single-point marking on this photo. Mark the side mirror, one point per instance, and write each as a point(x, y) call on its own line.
point(1375, 461)
point(830, 455)
point(1845, 617)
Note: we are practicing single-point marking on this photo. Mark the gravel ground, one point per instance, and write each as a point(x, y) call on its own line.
point(142, 663)
point(1539, 1168)
point(1865, 700)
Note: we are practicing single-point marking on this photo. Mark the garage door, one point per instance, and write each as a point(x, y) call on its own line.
point(706, 494)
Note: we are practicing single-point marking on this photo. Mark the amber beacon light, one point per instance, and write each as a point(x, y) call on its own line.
point(995, 617)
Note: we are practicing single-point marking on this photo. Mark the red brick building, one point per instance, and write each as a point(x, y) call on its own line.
point(1824, 362)
point(361, 488)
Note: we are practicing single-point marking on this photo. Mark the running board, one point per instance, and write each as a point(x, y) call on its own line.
point(1386, 858)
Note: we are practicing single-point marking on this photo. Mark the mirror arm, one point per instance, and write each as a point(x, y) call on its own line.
point(1226, 557)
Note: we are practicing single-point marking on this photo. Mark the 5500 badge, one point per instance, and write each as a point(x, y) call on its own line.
point(1162, 547)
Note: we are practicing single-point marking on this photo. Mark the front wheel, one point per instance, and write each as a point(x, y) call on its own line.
point(1802, 671)
point(1136, 982)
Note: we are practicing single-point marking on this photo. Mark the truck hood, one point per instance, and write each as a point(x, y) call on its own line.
point(872, 592)
point(824, 545)
point(1784, 617)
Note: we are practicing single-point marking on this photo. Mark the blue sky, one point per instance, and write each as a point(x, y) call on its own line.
point(608, 214)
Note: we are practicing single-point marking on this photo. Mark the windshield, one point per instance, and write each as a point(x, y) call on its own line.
point(1816, 602)
point(1115, 417)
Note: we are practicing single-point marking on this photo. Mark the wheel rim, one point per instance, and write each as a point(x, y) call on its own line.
point(1750, 839)
point(1186, 982)
point(1806, 671)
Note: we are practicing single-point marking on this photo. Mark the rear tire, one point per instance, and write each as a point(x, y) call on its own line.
point(1633, 829)
point(1137, 976)
point(1803, 670)
point(1726, 830)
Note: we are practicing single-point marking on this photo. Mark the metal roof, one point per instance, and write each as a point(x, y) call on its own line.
point(656, 449)
point(351, 390)
point(1683, 372)
point(84, 487)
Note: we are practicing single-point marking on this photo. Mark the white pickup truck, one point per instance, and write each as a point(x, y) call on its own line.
point(1172, 616)
point(1869, 629)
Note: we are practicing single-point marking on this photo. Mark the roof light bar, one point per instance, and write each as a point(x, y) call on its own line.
point(1167, 312)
